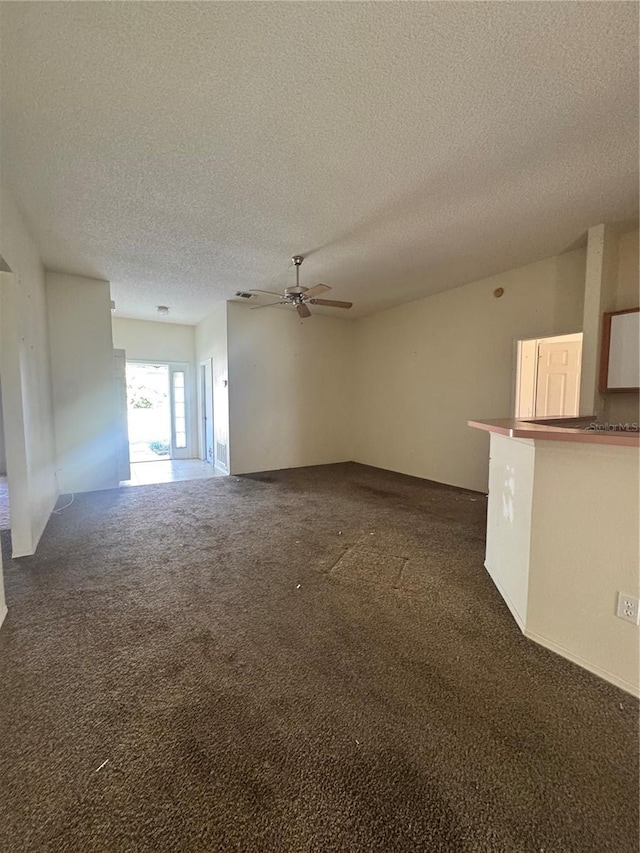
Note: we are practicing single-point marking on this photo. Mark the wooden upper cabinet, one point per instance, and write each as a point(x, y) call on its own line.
point(620, 351)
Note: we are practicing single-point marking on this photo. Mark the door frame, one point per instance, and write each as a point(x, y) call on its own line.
point(517, 365)
point(203, 366)
point(174, 366)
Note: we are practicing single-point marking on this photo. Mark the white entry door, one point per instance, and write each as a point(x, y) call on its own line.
point(206, 372)
point(558, 381)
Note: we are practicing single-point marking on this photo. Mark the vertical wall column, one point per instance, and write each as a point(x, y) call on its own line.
point(26, 379)
point(212, 343)
point(3, 606)
point(83, 382)
point(11, 358)
point(600, 282)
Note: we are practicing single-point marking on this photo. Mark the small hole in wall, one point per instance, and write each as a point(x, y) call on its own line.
point(498, 292)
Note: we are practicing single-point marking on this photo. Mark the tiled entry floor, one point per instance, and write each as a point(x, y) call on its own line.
point(169, 470)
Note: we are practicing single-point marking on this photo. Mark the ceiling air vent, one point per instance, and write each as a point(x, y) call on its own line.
point(243, 294)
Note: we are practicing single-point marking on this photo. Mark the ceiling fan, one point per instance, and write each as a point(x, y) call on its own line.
point(302, 297)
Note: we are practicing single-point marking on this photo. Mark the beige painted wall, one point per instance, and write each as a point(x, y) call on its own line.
point(562, 542)
point(27, 398)
point(623, 407)
point(83, 383)
point(3, 604)
point(12, 360)
point(290, 389)
point(422, 370)
point(211, 343)
point(584, 550)
point(627, 293)
point(145, 340)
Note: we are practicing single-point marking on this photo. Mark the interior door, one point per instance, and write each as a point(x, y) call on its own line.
point(558, 381)
point(120, 372)
point(207, 410)
point(179, 411)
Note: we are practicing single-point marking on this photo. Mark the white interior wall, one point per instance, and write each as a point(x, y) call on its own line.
point(145, 340)
point(26, 378)
point(83, 382)
point(290, 388)
point(423, 369)
point(511, 482)
point(212, 343)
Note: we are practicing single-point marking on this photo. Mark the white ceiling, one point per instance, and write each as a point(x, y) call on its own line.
point(184, 151)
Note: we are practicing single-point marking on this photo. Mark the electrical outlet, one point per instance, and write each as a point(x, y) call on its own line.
point(628, 608)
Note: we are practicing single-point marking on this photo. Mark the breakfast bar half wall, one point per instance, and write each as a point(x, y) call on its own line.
point(562, 539)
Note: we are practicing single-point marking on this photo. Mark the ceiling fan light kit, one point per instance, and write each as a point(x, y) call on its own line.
point(302, 297)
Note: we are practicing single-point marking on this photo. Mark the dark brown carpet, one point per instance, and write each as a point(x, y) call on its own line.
point(311, 660)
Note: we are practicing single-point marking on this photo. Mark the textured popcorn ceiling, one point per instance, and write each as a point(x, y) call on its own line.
point(185, 151)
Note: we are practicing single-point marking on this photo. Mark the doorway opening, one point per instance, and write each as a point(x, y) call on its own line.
point(548, 376)
point(148, 412)
point(157, 406)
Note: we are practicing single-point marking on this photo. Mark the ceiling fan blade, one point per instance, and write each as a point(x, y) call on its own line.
point(303, 311)
point(331, 303)
point(270, 292)
point(268, 305)
point(316, 290)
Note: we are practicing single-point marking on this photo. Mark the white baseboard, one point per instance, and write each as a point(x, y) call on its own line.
point(3, 613)
point(611, 677)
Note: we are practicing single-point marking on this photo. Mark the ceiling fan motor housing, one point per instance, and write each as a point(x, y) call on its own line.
point(295, 291)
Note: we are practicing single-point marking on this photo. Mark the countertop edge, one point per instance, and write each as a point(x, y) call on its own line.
point(513, 428)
